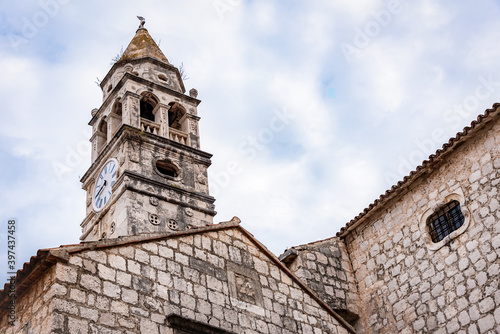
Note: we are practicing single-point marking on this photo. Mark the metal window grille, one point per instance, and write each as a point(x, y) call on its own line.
point(445, 220)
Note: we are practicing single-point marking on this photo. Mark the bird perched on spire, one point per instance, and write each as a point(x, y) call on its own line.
point(143, 21)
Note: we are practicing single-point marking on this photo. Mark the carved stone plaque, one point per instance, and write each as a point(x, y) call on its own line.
point(245, 288)
point(244, 284)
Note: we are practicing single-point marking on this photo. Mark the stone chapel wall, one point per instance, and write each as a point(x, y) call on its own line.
point(218, 278)
point(326, 268)
point(34, 307)
point(407, 287)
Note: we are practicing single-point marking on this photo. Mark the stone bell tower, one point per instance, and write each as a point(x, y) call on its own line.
point(148, 174)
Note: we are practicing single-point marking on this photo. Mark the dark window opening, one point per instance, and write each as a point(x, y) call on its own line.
point(447, 219)
point(147, 111)
point(103, 127)
point(175, 114)
point(147, 105)
point(166, 168)
point(187, 326)
point(162, 77)
point(117, 108)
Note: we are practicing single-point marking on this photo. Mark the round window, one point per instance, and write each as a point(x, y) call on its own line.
point(166, 168)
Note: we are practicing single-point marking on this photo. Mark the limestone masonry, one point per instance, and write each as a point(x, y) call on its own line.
point(423, 258)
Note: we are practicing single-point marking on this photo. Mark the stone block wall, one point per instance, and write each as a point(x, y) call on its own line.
point(34, 307)
point(406, 283)
point(219, 278)
point(326, 268)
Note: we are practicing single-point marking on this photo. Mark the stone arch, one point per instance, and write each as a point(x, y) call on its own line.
point(102, 134)
point(117, 107)
point(148, 104)
point(103, 127)
point(176, 115)
point(116, 115)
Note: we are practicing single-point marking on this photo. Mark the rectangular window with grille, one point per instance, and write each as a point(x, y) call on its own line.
point(445, 220)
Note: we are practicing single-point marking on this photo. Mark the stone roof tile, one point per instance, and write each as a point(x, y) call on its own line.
point(142, 45)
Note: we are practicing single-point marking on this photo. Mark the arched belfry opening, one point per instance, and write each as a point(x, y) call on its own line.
point(102, 138)
point(103, 128)
point(116, 116)
point(176, 116)
point(117, 108)
point(147, 105)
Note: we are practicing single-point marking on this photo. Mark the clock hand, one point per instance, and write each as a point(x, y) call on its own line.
point(102, 188)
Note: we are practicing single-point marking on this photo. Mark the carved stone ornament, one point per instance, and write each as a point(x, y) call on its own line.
point(89, 193)
point(133, 153)
point(244, 284)
point(194, 128)
point(245, 289)
point(124, 108)
point(173, 195)
point(154, 201)
point(193, 93)
point(172, 224)
point(154, 219)
point(189, 212)
point(201, 178)
point(121, 156)
point(128, 68)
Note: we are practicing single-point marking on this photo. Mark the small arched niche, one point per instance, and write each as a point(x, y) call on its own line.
point(102, 135)
point(116, 115)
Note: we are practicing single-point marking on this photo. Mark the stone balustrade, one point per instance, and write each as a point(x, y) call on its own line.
point(150, 127)
point(178, 136)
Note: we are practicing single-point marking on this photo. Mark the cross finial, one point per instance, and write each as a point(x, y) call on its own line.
point(143, 21)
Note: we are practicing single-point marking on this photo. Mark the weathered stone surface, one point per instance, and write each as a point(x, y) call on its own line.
point(404, 283)
point(245, 299)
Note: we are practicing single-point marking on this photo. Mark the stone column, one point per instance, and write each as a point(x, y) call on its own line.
point(130, 110)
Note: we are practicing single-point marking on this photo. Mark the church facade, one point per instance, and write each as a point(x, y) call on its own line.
point(423, 258)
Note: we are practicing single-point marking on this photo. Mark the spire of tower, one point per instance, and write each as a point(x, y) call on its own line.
point(142, 45)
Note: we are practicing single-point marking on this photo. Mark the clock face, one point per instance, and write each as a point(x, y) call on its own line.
point(104, 184)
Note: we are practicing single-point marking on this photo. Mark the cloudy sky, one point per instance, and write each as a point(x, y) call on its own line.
point(312, 109)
